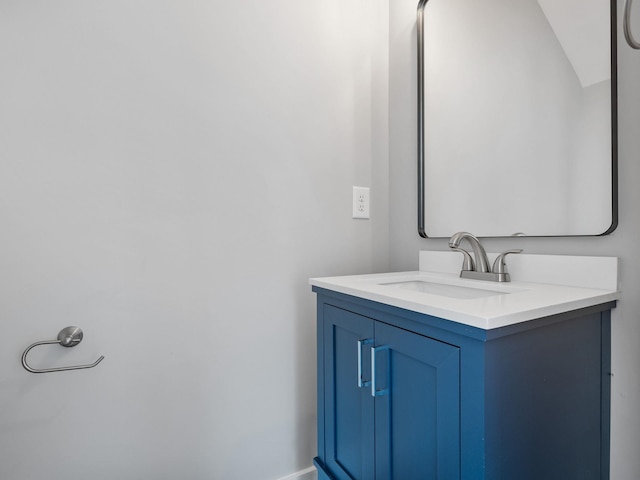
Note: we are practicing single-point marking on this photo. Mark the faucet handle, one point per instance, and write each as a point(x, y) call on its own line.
point(467, 263)
point(499, 265)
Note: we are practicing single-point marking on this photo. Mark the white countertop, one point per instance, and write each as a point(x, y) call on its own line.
point(510, 303)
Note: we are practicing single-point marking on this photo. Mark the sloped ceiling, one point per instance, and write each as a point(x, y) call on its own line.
point(582, 28)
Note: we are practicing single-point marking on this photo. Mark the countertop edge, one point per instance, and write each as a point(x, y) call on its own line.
point(589, 297)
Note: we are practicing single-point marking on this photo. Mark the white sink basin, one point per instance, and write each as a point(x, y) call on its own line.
point(445, 290)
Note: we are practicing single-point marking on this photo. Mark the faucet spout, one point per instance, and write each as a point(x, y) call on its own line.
point(481, 260)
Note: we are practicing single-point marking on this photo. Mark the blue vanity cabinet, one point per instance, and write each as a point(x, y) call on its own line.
point(417, 405)
point(454, 402)
point(391, 401)
point(349, 412)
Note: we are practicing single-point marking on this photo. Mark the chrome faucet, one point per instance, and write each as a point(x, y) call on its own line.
point(479, 268)
point(481, 260)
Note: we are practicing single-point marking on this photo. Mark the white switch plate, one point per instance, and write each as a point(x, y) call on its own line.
point(361, 203)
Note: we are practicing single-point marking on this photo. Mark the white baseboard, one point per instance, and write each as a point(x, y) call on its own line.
point(306, 474)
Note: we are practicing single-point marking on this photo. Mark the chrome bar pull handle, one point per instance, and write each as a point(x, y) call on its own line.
point(375, 392)
point(68, 337)
point(361, 343)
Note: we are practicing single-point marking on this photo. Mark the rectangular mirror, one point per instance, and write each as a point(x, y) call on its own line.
point(517, 115)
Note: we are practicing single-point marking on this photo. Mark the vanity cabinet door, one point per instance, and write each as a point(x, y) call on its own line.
point(417, 407)
point(349, 414)
point(410, 428)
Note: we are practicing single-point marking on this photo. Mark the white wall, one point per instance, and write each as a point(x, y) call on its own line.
point(171, 173)
point(405, 242)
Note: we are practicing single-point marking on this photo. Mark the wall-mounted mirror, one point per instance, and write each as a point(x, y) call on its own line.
point(517, 117)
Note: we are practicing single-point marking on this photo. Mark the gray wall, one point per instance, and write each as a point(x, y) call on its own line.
point(171, 174)
point(405, 242)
